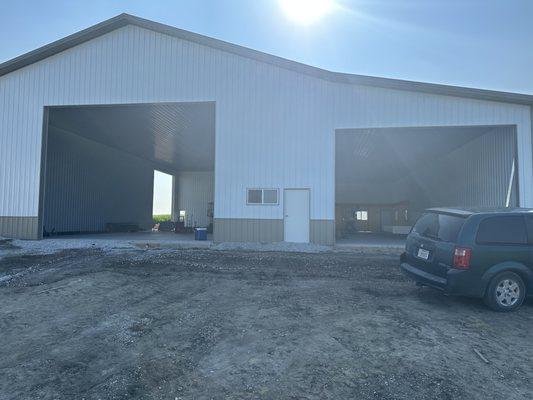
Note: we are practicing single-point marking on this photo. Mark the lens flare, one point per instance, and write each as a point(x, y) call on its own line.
point(306, 12)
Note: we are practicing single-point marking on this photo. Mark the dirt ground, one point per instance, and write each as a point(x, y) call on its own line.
point(204, 324)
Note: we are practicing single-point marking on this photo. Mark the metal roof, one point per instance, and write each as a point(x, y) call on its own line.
point(126, 19)
point(388, 154)
point(172, 136)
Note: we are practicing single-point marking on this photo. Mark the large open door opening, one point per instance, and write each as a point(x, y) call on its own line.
point(100, 162)
point(162, 200)
point(386, 177)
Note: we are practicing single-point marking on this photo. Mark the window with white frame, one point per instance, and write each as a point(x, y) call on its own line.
point(361, 215)
point(262, 196)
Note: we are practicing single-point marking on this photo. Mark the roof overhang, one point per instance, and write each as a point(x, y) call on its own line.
point(126, 19)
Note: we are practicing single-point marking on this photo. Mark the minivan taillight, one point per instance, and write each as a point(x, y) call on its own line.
point(461, 257)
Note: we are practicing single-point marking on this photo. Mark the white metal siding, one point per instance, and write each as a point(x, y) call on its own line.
point(274, 127)
point(194, 192)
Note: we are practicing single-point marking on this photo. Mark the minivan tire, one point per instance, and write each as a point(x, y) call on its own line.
point(502, 290)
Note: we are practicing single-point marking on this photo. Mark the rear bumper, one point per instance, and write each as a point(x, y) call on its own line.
point(456, 282)
point(424, 277)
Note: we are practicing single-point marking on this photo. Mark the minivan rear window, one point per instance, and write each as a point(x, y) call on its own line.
point(439, 226)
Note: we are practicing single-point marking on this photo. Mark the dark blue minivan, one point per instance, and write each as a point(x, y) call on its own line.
point(485, 253)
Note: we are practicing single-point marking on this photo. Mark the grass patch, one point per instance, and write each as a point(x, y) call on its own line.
point(161, 218)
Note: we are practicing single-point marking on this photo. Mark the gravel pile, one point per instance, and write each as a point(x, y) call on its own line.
point(277, 247)
point(10, 247)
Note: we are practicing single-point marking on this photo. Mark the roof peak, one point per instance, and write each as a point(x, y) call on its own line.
point(124, 19)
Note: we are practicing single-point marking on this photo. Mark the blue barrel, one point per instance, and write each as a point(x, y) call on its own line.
point(200, 234)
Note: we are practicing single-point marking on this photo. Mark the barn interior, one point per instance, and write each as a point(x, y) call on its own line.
point(100, 162)
point(386, 177)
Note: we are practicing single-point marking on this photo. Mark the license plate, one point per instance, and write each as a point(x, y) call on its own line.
point(423, 254)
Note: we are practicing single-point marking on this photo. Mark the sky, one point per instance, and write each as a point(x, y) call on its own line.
point(162, 204)
point(476, 43)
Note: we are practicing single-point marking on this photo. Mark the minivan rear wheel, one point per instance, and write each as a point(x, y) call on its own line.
point(506, 292)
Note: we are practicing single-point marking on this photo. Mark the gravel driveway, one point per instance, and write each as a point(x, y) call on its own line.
point(202, 324)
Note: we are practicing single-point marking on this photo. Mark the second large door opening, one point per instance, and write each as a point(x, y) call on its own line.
point(386, 177)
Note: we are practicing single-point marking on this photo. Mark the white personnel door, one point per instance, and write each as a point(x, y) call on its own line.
point(296, 215)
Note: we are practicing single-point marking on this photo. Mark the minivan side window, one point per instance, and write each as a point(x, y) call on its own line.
point(502, 230)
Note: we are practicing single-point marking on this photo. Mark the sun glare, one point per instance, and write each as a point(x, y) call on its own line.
point(306, 12)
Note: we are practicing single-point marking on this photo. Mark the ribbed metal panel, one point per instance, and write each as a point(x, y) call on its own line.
point(322, 232)
point(476, 174)
point(193, 193)
point(178, 136)
point(89, 185)
point(433, 167)
point(20, 227)
point(259, 230)
point(274, 127)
